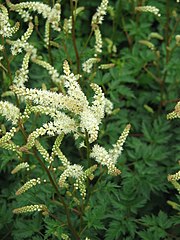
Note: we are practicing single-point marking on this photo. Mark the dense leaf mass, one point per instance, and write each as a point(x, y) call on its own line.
point(64, 66)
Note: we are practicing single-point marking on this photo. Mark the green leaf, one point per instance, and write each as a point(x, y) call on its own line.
point(26, 228)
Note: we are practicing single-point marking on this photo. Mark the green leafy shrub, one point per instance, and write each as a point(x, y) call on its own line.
point(62, 71)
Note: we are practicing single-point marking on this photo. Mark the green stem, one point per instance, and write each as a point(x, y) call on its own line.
point(167, 29)
point(152, 75)
point(88, 149)
point(89, 163)
point(67, 53)
point(93, 188)
point(49, 48)
point(61, 198)
point(9, 231)
point(126, 33)
point(86, 43)
point(174, 29)
point(74, 37)
point(7, 61)
point(56, 189)
point(38, 33)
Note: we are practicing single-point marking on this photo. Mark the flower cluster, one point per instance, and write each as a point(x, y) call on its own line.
point(109, 158)
point(7, 137)
point(174, 180)
point(5, 28)
point(21, 75)
point(76, 171)
point(9, 145)
point(108, 106)
point(20, 166)
point(100, 13)
point(54, 17)
point(31, 183)
point(31, 208)
point(1, 57)
point(51, 14)
point(67, 111)
point(75, 101)
point(22, 43)
point(98, 41)
point(92, 115)
point(67, 27)
point(177, 40)
point(148, 44)
point(65, 236)
point(44, 152)
point(88, 64)
point(57, 152)
point(62, 124)
point(174, 177)
point(70, 171)
point(106, 66)
point(175, 113)
point(33, 136)
point(9, 111)
point(97, 19)
point(150, 9)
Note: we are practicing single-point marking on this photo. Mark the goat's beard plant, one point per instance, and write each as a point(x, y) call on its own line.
point(68, 112)
point(174, 178)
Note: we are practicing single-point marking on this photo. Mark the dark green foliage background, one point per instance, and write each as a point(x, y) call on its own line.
point(143, 87)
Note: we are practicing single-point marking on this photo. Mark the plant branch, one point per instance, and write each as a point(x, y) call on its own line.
point(74, 37)
point(55, 187)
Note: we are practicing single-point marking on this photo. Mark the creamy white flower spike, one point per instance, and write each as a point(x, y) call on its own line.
point(88, 64)
point(20, 44)
point(67, 27)
point(98, 17)
point(31, 183)
point(21, 75)
point(31, 208)
point(20, 166)
point(9, 111)
point(174, 177)
point(73, 88)
point(151, 9)
point(51, 14)
point(116, 151)
point(177, 37)
point(108, 106)
point(98, 41)
point(175, 113)
point(99, 103)
point(109, 158)
point(49, 99)
point(89, 116)
point(7, 137)
point(62, 124)
point(76, 171)
point(90, 124)
point(5, 28)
